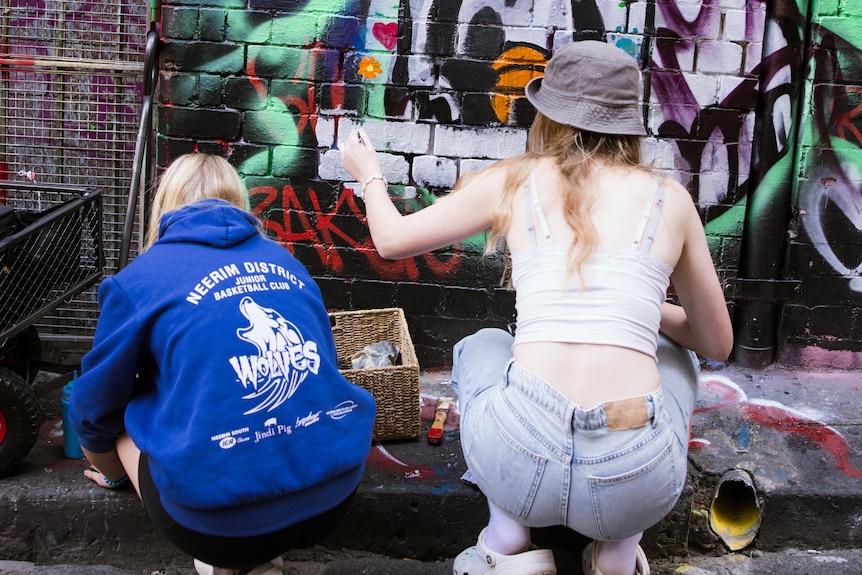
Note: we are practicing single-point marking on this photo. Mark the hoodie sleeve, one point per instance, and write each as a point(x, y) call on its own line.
point(107, 382)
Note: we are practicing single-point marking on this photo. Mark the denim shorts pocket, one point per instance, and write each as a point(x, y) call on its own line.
point(631, 502)
point(507, 472)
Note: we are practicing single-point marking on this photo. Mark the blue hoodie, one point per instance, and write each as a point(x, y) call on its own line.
point(215, 353)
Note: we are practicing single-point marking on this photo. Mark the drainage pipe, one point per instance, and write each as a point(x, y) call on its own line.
point(736, 510)
point(771, 183)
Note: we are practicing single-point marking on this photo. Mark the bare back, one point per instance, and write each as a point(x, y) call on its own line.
point(590, 374)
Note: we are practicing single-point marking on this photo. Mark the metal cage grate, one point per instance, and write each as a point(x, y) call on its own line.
point(50, 249)
point(71, 76)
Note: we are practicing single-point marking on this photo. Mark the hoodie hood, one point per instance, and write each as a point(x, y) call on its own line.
point(210, 222)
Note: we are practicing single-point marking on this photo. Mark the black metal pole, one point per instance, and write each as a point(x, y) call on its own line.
point(142, 146)
point(768, 208)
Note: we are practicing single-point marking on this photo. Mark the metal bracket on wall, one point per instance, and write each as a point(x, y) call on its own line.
point(762, 289)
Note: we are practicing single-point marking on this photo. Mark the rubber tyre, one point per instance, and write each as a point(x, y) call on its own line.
point(19, 420)
point(20, 350)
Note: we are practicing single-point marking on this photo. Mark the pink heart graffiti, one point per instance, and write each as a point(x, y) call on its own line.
point(386, 34)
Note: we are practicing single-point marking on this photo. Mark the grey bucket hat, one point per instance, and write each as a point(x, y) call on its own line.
point(592, 86)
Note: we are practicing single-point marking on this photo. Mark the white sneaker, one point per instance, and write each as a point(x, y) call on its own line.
point(206, 569)
point(479, 560)
point(273, 567)
point(590, 563)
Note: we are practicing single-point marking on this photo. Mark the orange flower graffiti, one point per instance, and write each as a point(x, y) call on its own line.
point(369, 67)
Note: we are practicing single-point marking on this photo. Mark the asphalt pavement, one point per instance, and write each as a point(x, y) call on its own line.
point(775, 470)
point(345, 562)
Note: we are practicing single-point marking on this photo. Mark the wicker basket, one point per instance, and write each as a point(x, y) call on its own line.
point(395, 387)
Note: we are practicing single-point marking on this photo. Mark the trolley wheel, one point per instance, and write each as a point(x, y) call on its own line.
point(19, 420)
point(21, 349)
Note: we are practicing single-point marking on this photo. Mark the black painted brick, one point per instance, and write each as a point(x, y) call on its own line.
point(373, 295)
point(816, 322)
point(180, 23)
point(502, 307)
point(335, 291)
point(170, 148)
point(241, 154)
point(178, 89)
point(210, 91)
point(222, 3)
point(425, 298)
point(212, 25)
point(294, 162)
point(465, 302)
point(199, 123)
point(340, 98)
point(241, 94)
point(441, 29)
point(478, 110)
point(203, 57)
point(308, 256)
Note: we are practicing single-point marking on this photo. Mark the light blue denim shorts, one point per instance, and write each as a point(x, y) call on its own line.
point(540, 458)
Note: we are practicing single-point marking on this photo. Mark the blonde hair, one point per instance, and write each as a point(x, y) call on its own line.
point(190, 178)
point(577, 154)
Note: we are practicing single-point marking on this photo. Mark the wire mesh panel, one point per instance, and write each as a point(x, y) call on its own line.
point(50, 249)
point(70, 104)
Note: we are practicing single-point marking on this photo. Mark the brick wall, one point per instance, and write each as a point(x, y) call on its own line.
point(757, 119)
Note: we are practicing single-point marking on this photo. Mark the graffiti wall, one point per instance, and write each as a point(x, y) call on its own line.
point(754, 106)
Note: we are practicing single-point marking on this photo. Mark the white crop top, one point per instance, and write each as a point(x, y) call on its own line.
point(623, 288)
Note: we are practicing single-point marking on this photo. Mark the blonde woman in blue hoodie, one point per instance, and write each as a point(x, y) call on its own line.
point(212, 385)
point(581, 419)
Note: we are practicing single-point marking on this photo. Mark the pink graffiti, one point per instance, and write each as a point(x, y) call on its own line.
point(319, 227)
point(775, 415)
point(386, 34)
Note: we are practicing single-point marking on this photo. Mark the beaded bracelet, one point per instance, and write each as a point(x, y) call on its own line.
point(371, 179)
point(116, 483)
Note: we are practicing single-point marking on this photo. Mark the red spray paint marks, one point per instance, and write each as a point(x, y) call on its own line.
point(319, 227)
point(774, 415)
point(380, 457)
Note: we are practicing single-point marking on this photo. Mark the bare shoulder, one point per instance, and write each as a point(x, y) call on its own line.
point(675, 192)
point(484, 180)
point(679, 205)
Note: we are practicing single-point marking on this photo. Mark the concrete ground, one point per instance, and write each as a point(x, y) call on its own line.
point(322, 561)
point(775, 457)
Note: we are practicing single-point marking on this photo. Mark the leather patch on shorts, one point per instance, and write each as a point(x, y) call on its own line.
point(626, 413)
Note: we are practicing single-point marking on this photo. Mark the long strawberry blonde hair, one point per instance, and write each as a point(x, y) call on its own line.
point(577, 154)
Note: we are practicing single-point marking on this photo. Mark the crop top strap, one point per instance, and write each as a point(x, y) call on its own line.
point(649, 222)
point(531, 196)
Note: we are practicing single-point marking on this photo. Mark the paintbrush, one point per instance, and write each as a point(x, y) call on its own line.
point(435, 434)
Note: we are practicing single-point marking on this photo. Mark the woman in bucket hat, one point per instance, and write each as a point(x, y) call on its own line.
point(581, 418)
